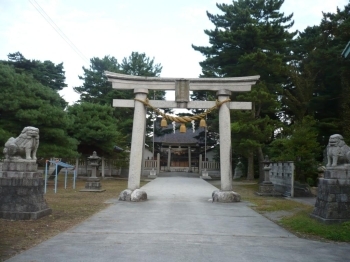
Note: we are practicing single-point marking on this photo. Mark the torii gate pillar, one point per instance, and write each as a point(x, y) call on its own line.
point(138, 140)
point(225, 142)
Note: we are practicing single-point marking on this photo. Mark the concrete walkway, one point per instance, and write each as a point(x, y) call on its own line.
point(178, 223)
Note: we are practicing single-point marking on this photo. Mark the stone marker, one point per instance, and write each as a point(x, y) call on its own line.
point(21, 184)
point(238, 173)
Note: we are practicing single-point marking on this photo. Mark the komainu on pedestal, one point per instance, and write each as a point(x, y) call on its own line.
point(333, 195)
point(21, 184)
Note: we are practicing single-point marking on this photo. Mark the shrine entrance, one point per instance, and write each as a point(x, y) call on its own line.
point(141, 85)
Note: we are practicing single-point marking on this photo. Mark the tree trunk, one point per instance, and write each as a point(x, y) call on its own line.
point(261, 165)
point(250, 171)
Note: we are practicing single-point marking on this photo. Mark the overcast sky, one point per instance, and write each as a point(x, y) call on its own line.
point(164, 30)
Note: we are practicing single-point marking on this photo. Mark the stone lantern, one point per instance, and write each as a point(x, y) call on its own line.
point(266, 187)
point(93, 183)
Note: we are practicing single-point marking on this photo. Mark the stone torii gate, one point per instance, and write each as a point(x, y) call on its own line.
point(141, 85)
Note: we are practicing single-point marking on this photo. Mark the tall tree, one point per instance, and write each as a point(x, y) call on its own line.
point(299, 144)
point(251, 38)
point(96, 88)
point(47, 73)
point(318, 51)
point(95, 128)
point(138, 64)
point(26, 102)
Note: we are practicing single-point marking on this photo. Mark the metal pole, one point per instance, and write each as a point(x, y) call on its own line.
point(74, 176)
point(56, 178)
point(154, 121)
point(65, 179)
point(45, 177)
point(205, 143)
point(292, 178)
point(205, 134)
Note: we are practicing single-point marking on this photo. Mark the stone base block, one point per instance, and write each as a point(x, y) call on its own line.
point(328, 221)
point(92, 185)
point(25, 215)
point(267, 189)
point(205, 175)
point(20, 174)
point(225, 196)
point(22, 198)
point(333, 201)
point(22, 165)
point(338, 172)
point(92, 190)
point(136, 195)
point(152, 174)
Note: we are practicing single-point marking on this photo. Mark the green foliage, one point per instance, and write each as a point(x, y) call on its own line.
point(251, 38)
point(298, 143)
point(138, 64)
point(96, 88)
point(297, 98)
point(47, 73)
point(317, 51)
point(95, 128)
point(26, 102)
point(302, 223)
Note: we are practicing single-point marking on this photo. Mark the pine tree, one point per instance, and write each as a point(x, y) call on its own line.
point(318, 50)
point(251, 38)
point(96, 88)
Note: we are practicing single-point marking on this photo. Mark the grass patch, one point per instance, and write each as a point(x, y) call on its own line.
point(297, 220)
point(265, 204)
point(302, 224)
point(69, 207)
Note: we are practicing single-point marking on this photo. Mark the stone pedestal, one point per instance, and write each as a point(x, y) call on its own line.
point(205, 175)
point(152, 174)
point(93, 184)
point(266, 188)
point(333, 196)
point(22, 191)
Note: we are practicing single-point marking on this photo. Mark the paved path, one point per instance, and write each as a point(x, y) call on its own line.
point(178, 223)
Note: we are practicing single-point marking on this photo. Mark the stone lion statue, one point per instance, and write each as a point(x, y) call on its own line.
point(26, 144)
point(337, 151)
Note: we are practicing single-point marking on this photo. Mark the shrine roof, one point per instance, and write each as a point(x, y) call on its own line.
point(170, 138)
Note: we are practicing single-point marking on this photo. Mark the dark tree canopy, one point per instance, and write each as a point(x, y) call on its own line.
point(138, 64)
point(95, 128)
point(47, 73)
point(96, 88)
point(26, 102)
point(318, 53)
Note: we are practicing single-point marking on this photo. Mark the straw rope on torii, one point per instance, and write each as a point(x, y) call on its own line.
point(183, 119)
